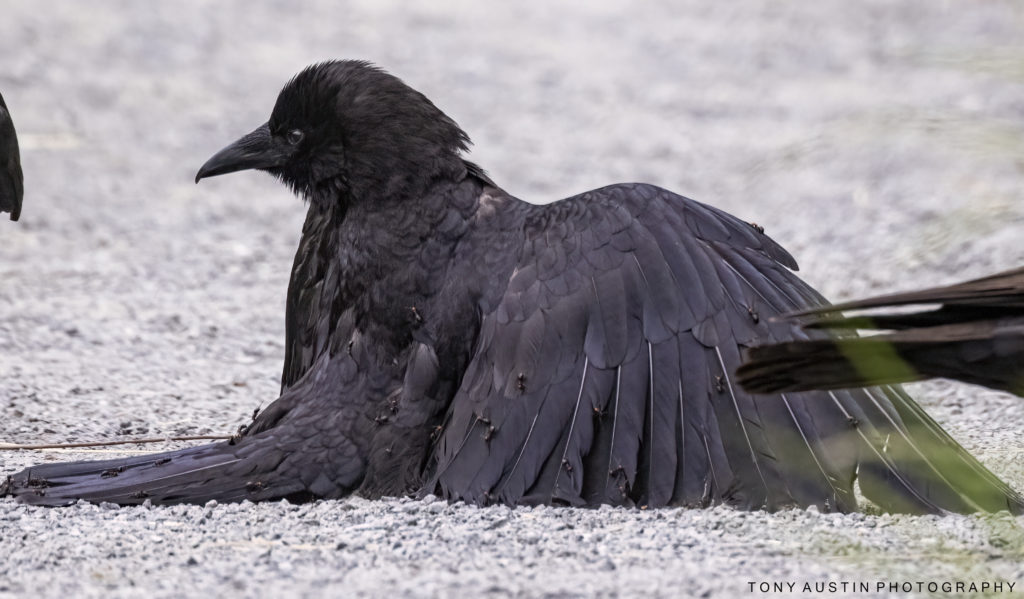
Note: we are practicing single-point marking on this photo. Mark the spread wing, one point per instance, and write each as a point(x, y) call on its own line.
point(605, 375)
point(10, 166)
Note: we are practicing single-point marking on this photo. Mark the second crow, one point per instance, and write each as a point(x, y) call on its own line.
point(11, 189)
point(971, 331)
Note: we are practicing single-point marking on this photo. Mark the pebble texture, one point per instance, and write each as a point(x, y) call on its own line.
point(882, 143)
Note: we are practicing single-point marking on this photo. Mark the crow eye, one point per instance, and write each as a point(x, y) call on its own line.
point(294, 136)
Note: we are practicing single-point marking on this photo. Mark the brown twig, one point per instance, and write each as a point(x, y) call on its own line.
point(4, 446)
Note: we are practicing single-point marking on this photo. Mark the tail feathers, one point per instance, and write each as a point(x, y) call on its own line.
point(824, 364)
point(220, 471)
point(1004, 290)
point(901, 322)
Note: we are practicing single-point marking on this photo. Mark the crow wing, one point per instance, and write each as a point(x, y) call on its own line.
point(312, 308)
point(605, 375)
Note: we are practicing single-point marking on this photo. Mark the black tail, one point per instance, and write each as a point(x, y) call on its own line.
point(988, 353)
point(221, 471)
point(824, 364)
point(298, 448)
point(976, 335)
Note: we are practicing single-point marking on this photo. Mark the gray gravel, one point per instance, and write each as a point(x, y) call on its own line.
point(881, 142)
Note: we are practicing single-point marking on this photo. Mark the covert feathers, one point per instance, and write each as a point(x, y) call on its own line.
point(444, 337)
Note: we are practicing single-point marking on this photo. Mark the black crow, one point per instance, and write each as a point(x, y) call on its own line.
point(445, 337)
point(971, 331)
point(10, 165)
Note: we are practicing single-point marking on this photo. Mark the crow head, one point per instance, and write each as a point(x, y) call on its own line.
point(347, 131)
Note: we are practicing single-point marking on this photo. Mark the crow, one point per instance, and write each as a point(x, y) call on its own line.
point(971, 331)
point(11, 182)
point(444, 337)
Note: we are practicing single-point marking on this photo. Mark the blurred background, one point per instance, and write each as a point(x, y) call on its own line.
point(881, 142)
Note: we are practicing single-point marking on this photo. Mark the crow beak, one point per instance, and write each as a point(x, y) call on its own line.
point(257, 150)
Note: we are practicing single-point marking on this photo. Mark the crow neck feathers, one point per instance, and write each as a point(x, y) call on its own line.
point(367, 137)
point(389, 194)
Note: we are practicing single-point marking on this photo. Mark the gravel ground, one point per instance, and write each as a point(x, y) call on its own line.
point(881, 142)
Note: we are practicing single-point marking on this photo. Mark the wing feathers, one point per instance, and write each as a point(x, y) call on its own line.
point(646, 301)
